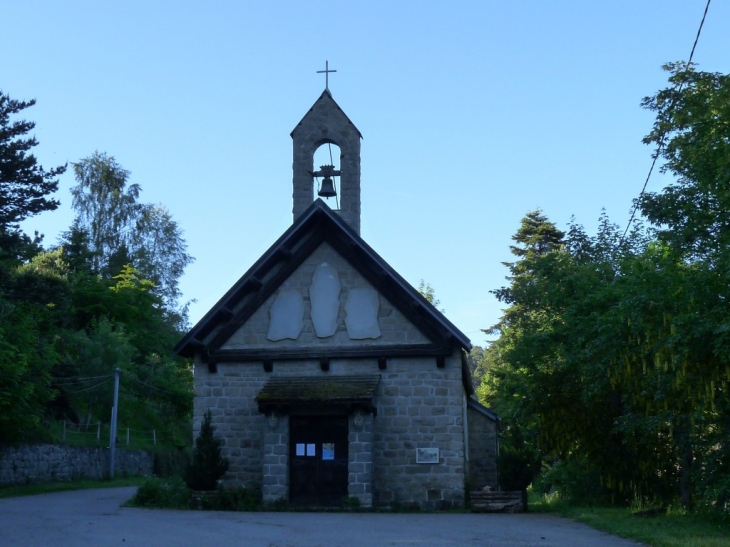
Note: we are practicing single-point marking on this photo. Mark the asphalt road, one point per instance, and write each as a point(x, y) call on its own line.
point(95, 518)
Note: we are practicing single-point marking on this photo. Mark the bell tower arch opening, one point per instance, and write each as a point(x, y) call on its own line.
point(326, 173)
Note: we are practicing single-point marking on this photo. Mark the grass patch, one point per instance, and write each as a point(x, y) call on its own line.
point(50, 487)
point(675, 528)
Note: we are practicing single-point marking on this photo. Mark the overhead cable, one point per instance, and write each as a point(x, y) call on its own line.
point(660, 146)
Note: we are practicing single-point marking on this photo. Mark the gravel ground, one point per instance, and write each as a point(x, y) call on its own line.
point(94, 518)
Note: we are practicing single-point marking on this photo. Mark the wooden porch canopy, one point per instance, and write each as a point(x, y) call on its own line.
point(290, 394)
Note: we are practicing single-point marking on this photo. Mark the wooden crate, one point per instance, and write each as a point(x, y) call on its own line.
point(498, 502)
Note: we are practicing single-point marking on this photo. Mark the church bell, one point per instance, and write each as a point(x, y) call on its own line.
point(327, 189)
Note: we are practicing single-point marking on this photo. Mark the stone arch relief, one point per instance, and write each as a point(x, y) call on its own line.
point(324, 295)
point(361, 309)
point(287, 315)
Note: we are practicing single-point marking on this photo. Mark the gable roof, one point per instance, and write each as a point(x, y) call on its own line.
point(325, 97)
point(316, 225)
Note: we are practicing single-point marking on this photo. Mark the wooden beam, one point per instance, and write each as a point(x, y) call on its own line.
point(316, 354)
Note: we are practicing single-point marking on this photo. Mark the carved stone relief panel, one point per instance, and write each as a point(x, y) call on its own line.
point(362, 308)
point(324, 295)
point(287, 315)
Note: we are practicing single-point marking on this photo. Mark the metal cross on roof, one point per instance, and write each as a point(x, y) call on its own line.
point(326, 72)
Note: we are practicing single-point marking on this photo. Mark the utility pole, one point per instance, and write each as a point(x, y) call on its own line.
point(113, 433)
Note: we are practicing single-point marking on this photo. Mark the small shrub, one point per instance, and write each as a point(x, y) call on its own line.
point(351, 502)
point(170, 462)
point(207, 465)
point(280, 504)
point(236, 498)
point(162, 493)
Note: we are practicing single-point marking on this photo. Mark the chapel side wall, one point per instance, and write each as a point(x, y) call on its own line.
point(482, 450)
point(419, 406)
point(230, 394)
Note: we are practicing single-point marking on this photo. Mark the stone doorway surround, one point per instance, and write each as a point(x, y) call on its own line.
point(351, 396)
point(359, 467)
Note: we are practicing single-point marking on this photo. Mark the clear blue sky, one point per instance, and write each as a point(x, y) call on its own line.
point(473, 113)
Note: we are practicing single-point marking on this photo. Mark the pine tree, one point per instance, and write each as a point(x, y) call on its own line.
point(208, 464)
point(24, 185)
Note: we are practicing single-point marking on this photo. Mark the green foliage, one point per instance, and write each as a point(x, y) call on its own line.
point(170, 462)
point(428, 292)
point(207, 465)
point(106, 299)
point(25, 380)
point(613, 359)
point(64, 486)
point(24, 184)
point(169, 493)
point(112, 230)
point(673, 528)
point(351, 502)
point(692, 131)
point(235, 498)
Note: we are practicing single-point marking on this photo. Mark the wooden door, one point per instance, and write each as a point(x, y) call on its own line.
point(318, 460)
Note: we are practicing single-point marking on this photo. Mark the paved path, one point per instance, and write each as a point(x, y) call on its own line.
point(94, 518)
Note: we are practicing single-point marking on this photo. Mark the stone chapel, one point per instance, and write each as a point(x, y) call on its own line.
point(328, 376)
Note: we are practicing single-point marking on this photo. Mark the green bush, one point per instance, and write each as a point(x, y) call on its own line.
point(239, 498)
point(576, 481)
point(169, 493)
point(170, 462)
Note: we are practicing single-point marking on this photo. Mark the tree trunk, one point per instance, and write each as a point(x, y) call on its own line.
point(682, 438)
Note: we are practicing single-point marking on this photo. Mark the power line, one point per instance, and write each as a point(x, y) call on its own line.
point(660, 147)
point(77, 380)
point(87, 389)
point(150, 386)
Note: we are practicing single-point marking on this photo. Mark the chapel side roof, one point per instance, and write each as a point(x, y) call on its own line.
point(316, 225)
point(479, 407)
point(325, 96)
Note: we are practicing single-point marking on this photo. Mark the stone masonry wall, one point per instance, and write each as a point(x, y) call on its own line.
point(47, 462)
point(276, 458)
point(419, 406)
point(230, 396)
point(360, 460)
point(482, 450)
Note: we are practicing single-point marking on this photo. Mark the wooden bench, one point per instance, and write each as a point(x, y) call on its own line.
point(498, 501)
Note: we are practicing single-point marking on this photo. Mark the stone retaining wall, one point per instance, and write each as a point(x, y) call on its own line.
point(46, 462)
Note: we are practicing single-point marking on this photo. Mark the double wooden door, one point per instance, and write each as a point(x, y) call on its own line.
point(318, 460)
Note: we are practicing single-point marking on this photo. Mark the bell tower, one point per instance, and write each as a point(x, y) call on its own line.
point(326, 123)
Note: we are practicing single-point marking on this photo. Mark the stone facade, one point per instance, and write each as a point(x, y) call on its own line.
point(321, 329)
point(483, 449)
point(47, 462)
point(418, 406)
